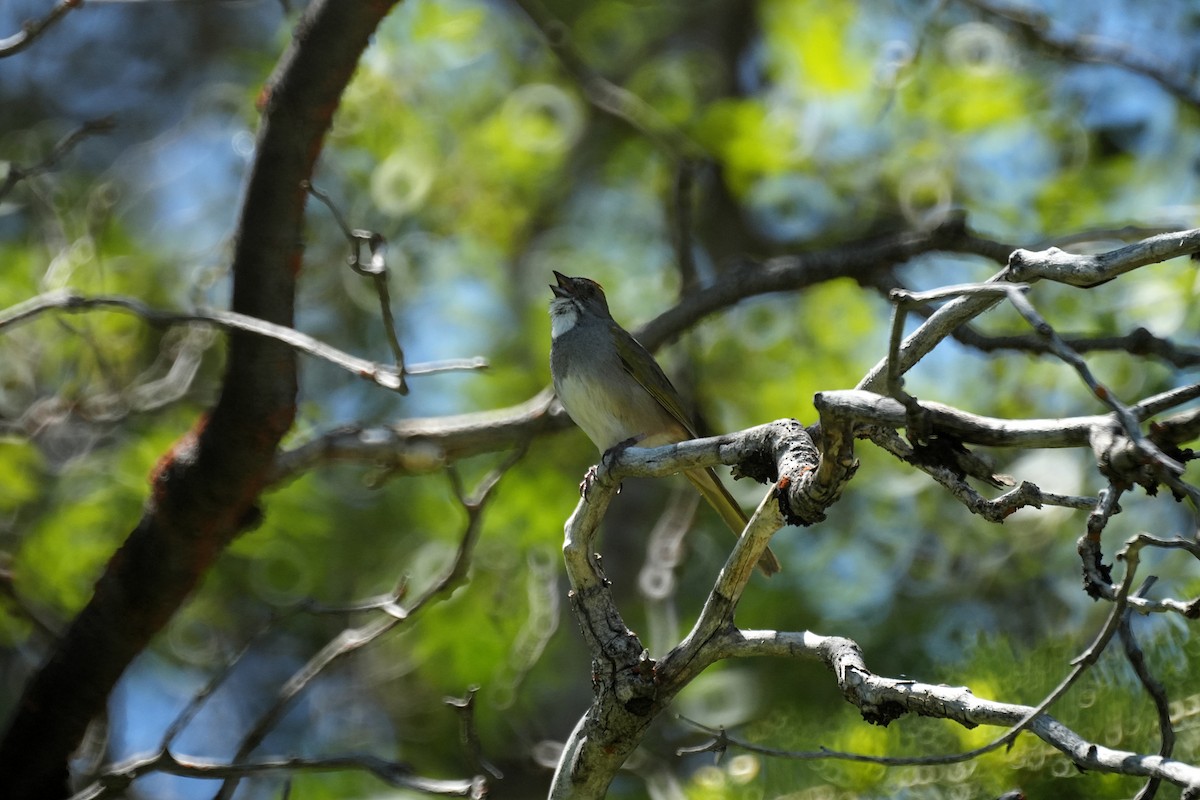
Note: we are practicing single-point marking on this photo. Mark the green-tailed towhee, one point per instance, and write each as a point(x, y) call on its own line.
point(616, 392)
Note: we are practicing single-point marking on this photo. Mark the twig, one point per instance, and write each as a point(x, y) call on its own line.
point(353, 639)
point(16, 174)
point(1154, 688)
point(375, 268)
point(386, 376)
point(32, 29)
point(606, 95)
point(392, 773)
point(469, 735)
point(1082, 47)
point(1025, 266)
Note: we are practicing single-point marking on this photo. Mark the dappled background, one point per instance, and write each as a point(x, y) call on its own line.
point(485, 159)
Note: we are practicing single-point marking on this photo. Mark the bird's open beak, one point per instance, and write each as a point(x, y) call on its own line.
point(564, 288)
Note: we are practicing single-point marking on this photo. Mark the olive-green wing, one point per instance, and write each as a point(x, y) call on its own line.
point(638, 362)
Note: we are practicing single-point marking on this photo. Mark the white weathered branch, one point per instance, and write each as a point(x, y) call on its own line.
point(1026, 266)
point(883, 699)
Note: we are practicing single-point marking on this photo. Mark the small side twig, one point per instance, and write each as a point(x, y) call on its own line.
point(383, 375)
point(351, 640)
point(465, 706)
point(1153, 687)
point(16, 173)
point(605, 95)
point(375, 268)
point(1037, 26)
point(32, 29)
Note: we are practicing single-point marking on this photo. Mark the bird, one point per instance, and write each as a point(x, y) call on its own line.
point(617, 393)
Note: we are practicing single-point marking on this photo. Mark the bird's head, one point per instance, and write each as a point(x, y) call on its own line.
point(574, 297)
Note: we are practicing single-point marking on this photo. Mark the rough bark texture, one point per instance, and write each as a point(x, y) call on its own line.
point(205, 490)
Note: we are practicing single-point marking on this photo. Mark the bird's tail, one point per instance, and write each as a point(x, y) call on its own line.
point(711, 488)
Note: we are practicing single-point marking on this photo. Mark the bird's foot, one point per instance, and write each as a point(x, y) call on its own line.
point(613, 452)
point(589, 478)
point(593, 474)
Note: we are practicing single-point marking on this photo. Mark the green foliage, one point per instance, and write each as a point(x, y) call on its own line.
point(486, 164)
point(21, 470)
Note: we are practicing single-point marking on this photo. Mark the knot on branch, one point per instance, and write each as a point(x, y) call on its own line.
point(621, 667)
point(948, 451)
point(1122, 461)
point(882, 714)
point(876, 711)
point(784, 453)
point(635, 688)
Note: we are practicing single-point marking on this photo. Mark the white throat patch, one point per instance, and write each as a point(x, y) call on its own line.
point(563, 316)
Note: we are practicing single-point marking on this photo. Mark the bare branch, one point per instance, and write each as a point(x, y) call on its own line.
point(630, 688)
point(206, 489)
point(386, 376)
point(882, 700)
point(16, 174)
point(418, 446)
point(867, 408)
point(32, 29)
point(374, 268)
point(1147, 453)
point(1029, 267)
point(1026, 266)
point(351, 640)
point(605, 95)
point(1038, 26)
point(1154, 688)
point(392, 773)
point(1138, 342)
point(857, 260)
point(996, 510)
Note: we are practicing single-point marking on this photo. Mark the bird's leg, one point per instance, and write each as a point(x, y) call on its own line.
point(589, 478)
point(620, 447)
point(609, 456)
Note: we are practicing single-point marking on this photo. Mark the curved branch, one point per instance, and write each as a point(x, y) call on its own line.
point(1085, 271)
point(205, 490)
point(1026, 266)
point(883, 699)
point(388, 377)
point(423, 445)
point(392, 773)
point(789, 273)
point(1037, 26)
point(630, 688)
point(31, 30)
point(1138, 342)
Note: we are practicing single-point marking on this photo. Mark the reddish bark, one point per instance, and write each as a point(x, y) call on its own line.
point(205, 490)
